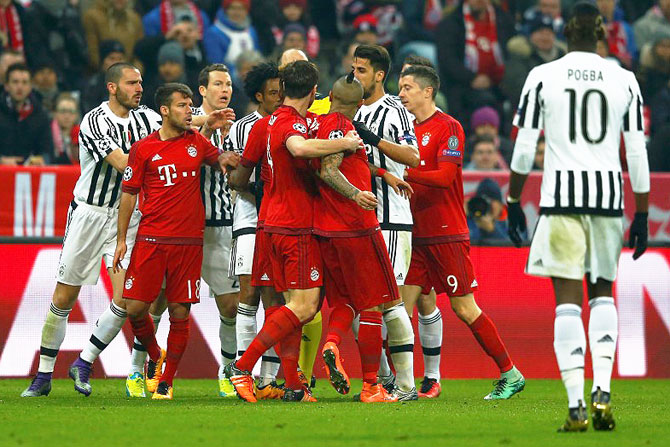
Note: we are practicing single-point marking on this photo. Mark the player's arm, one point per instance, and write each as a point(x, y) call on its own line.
point(117, 159)
point(126, 206)
point(95, 139)
point(638, 170)
point(330, 173)
point(300, 147)
point(218, 119)
point(407, 154)
point(401, 187)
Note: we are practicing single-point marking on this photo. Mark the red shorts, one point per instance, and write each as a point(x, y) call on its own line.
point(445, 267)
point(150, 263)
point(296, 262)
point(357, 271)
point(261, 270)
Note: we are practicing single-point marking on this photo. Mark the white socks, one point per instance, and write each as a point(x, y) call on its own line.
point(269, 366)
point(384, 367)
point(53, 334)
point(603, 331)
point(570, 346)
point(228, 339)
point(430, 334)
point(246, 327)
point(106, 328)
point(401, 345)
point(139, 354)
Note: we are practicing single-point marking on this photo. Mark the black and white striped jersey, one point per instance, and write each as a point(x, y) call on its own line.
point(100, 133)
point(214, 188)
point(245, 215)
point(583, 104)
point(389, 119)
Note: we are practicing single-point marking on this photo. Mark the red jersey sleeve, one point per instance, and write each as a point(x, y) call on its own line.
point(211, 152)
point(452, 144)
point(133, 175)
point(256, 145)
point(292, 125)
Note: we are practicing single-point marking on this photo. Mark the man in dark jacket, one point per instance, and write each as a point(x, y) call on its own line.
point(472, 63)
point(25, 134)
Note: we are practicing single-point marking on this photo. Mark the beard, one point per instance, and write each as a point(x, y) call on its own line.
point(368, 91)
point(126, 100)
point(178, 124)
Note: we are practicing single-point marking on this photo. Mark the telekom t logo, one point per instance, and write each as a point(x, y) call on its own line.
point(167, 174)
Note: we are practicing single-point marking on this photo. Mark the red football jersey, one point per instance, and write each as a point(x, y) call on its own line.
point(255, 150)
point(439, 215)
point(290, 197)
point(334, 214)
point(168, 174)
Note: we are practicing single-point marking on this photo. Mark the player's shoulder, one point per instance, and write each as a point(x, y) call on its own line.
point(146, 111)
point(246, 121)
point(96, 121)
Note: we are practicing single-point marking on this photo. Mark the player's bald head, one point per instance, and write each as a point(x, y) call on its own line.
point(347, 91)
point(291, 55)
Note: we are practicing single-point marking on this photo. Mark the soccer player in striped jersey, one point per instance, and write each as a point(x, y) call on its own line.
point(105, 137)
point(261, 85)
point(391, 146)
point(583, 103)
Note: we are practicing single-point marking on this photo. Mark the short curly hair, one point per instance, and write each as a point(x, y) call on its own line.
point(257, 77)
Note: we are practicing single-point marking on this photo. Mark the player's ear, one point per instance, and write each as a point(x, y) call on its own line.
point(330, 96)
point(202, 89)
point(164, 110)
point(259, 97)
point(111, 88)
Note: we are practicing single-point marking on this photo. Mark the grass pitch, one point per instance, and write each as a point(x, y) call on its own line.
point(197, 416)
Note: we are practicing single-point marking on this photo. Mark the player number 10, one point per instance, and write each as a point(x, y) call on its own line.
point(585, 115)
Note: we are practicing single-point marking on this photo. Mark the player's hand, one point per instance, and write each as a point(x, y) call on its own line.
point(639, 233)
point(368, 136)
point(366, 200)
point(221, 119)
point(228, 161)
point(119, 254)
point(353, 141)
point(401, 187)
point(516, 223)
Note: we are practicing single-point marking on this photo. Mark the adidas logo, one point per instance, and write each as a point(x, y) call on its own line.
point(399, 277)
point(606, 339)
point(156, 158)
point(538, 263)
point(265, 277)
point(474, 283)
point(578, 351)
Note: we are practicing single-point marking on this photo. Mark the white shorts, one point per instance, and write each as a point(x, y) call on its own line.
point(569, 246)
point(399, 246)
point(242, 255)
point(215, 259)
point(90, 235)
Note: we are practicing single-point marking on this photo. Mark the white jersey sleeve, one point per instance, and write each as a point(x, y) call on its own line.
point(95, 136)
point(529, 121)
point(634, 140)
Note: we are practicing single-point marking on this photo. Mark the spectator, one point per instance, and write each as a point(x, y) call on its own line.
point(485, 121)
point(538, 162)
point(654, 70)
point(420, 20)
point(365, 29)
point(163, 17)
point(655, 24)
point(171, 68)
point(295, 12)
point(487, 216)
point(265, 16)
point(64, 43)
point(95, 92)
point(294, 38)
point(470, 44)
point(24, 125)
point(45, 86)
point(526, 53)
point(111, 20)
point(245, 62)
point(7, 58)
point(484, 157)
point(231, 34)
point(65, 130)
point(603, 50)
point(389, 19)
point(551, 8)
point(17, 32)
point(620, 37)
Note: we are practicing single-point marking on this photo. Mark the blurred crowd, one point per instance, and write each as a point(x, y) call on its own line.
point(53, 55)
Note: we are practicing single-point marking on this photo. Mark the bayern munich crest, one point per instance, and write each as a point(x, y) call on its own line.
point(314, 274)
point(425, 139)
point(127, 173)
point(192, 151)
point(335, 134)
point(129, 283)
point(452, 142)
point(300, 127)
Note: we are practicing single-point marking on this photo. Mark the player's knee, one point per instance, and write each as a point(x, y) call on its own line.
point(65, 296)
point(426, 305)
point(466, 311)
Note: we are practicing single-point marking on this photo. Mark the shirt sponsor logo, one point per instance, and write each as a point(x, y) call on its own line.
point(335, 134)
point(127, 173)
point(453, 142)
point(300, 127)
point(425, 139)
point(192, 151)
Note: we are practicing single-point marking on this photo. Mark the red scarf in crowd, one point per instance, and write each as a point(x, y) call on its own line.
point(10, 24)
point(482, 50)
point(618, 42)
point(432, 14)
point(167, 16)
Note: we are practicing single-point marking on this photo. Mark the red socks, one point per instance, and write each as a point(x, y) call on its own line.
point(176, 345)
point(278, 325)
point(341, 317)
point(290, 352)
point(370, 344)
point(143, 329)
point(487, 335)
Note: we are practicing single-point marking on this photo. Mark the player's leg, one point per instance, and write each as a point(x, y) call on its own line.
point(430, 334)
point(227, 306)
point(267, 387)
point(369, 347)
point(309, 345)
point(341, 318)
point(246, 328)
point(180, 329)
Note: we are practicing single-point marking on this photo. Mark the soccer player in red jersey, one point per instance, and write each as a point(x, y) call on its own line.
point(441, 241)
point(347, 228)
point(296, 260)
point(165, 166)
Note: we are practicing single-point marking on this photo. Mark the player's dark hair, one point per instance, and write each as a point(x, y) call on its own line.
point(424, 76)
point(258, 77)
point(163, 96)
point(114, 73)
point(19, 66)
point(585, 28)
point(203, 76)
point(377, 55)
point(418, 61)
point(298, 79)
point(479, 139)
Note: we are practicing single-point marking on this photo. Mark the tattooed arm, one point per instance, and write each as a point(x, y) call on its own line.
point(331, 175)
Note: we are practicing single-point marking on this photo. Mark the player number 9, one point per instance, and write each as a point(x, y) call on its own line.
point(453, 282)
